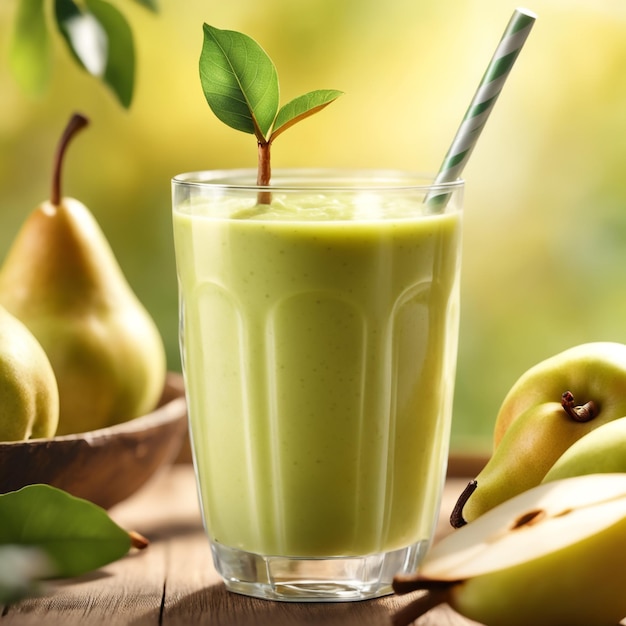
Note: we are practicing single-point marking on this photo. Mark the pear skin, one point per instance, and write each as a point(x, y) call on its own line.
point(551, 556)
point(29, 398)
point(529, 448)
point(595, 370)
point(601, 451)
point(580, 585)
point(532, 430)
point(62, 280)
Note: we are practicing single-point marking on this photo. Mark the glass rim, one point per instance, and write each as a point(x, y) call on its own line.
point(366, 180)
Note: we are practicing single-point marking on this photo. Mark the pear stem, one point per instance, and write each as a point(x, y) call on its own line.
point(76, 123)
point(456, 517)
point(137, 540)
point(582, 413)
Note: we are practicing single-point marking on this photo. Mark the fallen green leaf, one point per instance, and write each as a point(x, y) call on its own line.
point(77, 535)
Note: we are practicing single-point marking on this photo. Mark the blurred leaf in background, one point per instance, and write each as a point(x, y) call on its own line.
point(29, 59)
point(97, 35)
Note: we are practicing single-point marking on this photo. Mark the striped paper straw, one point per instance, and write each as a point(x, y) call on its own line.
point(485, 97)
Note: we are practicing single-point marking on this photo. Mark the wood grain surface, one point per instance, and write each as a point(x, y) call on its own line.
point(173, 582)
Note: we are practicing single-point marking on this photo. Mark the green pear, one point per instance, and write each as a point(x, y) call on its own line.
point(602, 451)
point(61, 278)
point(551, 556)
point(540, 419)
point(591, 371)
point(29, 399)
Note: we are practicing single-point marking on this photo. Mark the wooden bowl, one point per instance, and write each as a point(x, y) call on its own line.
point(107, 465)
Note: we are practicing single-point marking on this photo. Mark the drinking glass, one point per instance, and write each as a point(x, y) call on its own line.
point(318, 333)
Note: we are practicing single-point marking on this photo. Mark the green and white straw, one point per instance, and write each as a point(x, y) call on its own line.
point(485, 97)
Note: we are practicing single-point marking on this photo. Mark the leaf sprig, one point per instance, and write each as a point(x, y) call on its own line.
point(96, 34)
point(240, 84)
point(46, 532)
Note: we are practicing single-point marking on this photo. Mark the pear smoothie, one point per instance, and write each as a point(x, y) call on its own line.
point(318, 336)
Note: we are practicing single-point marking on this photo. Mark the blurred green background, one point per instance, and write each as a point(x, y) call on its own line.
point(544, 261)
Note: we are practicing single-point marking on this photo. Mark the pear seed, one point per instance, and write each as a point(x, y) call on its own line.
point(529, 519)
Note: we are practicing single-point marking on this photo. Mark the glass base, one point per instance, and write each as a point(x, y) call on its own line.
point(294, 579)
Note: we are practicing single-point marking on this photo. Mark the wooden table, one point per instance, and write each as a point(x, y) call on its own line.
point(173, 582)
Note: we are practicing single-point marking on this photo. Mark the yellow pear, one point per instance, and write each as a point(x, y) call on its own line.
point(61, 278)
point(551, 406)
point(594, 372)
point(29, 400)
point(551, 556)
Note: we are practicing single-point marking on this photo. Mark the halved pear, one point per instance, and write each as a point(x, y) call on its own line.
point(537, 522)
point(552, 556)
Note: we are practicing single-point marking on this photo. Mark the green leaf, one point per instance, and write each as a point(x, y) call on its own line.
point(78, 536)
point(149, 4)
point(239, 81)
point(120, 69)
point(302, 107)
point(84, 36)
point(101, 40)
point(28, 54)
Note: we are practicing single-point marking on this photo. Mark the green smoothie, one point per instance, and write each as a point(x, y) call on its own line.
point(318, 349)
